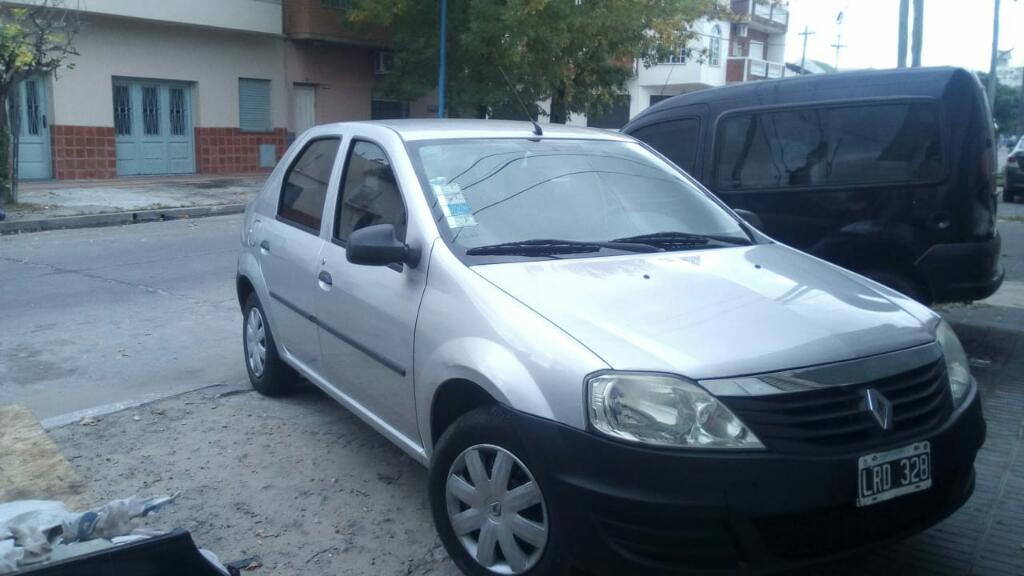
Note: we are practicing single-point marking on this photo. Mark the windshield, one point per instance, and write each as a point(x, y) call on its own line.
point(501, 191)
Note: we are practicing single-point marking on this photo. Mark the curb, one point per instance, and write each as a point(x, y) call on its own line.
point(117, 218)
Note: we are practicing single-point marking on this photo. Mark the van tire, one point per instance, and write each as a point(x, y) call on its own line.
point(901, 284)
point(271, 376)
point(1009, 196)
point(485, 426)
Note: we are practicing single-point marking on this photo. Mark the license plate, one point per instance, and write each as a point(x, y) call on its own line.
point(886, 475)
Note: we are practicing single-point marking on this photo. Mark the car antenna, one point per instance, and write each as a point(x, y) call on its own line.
point(536, 127)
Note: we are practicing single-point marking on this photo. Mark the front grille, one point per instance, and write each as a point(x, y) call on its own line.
point(835, 418)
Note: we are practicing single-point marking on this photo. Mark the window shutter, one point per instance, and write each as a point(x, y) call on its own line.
point(254, 105)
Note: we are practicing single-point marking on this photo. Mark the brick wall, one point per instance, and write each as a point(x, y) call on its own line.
point(231, 151)
point(83, 152)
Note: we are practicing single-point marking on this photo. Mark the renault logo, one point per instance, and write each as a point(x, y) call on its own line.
point(879, 407)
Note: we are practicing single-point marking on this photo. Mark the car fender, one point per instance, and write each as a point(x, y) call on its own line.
point(469, 329)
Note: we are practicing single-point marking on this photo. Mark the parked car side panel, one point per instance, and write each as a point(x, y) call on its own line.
point(468, 328)
point(368, 313)
point(869, 227)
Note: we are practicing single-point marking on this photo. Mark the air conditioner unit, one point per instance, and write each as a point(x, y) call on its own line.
point(383, 60)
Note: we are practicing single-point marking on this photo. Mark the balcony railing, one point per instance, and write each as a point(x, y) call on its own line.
point(753, 69)
point(771, 13)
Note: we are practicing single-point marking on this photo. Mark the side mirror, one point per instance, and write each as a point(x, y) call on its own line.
point(378, 246)
point(750, 218)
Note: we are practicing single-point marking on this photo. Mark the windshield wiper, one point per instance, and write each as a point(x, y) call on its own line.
point(547, 246)
point(682, 239)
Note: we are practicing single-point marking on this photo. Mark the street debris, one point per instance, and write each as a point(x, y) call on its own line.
point(90, 421)
point(34, 532)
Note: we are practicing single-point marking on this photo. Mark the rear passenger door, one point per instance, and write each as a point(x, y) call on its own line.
point(367, 314)
point(290, 246)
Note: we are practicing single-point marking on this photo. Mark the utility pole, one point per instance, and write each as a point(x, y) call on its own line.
point(993, 81)
point(918, 39)
point(442, 59)
point(803, 58)
point(901, 58)
point(838, 46)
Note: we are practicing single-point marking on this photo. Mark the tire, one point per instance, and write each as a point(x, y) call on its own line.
point(1009, 196)
point(271, 376)
point(489, 433)
point(901, 284)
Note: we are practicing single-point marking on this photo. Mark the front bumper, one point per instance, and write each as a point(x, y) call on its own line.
point(964, 271)
point(623, 509)
point(1014, 179)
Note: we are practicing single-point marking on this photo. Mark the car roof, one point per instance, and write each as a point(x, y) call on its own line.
point(931, 82)
point(451, 128)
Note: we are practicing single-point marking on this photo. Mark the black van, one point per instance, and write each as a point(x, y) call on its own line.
point(888, 173)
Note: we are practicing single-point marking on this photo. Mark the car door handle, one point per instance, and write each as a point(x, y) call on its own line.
point(265, 246)
point(325, 278)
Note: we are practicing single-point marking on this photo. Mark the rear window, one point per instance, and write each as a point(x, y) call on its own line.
point(677, 140)
point(829, 146)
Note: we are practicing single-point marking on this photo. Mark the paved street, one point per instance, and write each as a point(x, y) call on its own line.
point(96, 320)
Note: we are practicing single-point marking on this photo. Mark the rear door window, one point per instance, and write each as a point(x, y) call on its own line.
point(859, 144)
point(305, 185)
point(677, 140)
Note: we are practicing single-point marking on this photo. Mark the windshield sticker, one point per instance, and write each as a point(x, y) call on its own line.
point(456, 210)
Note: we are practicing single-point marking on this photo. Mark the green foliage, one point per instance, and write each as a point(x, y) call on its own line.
point(579, 53)
point(1007, 108)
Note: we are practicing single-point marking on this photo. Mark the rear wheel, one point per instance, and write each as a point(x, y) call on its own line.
point(268, 374)
point(1008, 195)
point(488, 507)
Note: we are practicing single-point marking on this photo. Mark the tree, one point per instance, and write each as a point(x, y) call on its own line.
point(578, 53)
point(36, 38)
point(1006, 109)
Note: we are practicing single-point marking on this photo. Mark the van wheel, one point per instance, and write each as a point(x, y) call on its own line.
point(268, 374)
point(488, 507)
point(901, 284)
point(1008, 195)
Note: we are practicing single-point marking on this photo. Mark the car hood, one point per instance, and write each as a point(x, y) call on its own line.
point(712, 313)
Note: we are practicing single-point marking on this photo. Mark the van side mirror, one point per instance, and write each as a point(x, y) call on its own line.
point(750, 218)
point(379, 246)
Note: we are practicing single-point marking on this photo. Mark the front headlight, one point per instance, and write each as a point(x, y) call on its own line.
point(663, 410)
point(956, 362)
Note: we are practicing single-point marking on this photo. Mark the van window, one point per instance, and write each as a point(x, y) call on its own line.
point(677, 140)
point(305, 184)
point(370, 194)
point(828, 146)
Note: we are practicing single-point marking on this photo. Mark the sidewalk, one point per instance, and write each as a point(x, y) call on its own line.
point(79, 203)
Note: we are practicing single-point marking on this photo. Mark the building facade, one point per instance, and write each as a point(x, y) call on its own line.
point(222, 86)
point(333, 69)
point(758, 45)
point(1006, 73)
point(189, 86)
point(749, 47)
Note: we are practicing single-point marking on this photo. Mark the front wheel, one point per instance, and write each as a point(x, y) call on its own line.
point(1008, 195)
point(488, 507)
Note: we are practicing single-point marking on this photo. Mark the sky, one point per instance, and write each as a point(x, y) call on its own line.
point(956, 32)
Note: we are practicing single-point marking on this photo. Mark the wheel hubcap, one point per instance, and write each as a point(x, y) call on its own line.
point(496, 509)
point(256, 342)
